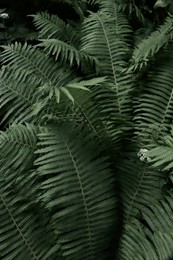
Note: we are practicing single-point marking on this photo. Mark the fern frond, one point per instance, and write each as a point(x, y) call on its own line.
point(132, 9)
point(17, 144)
point(30, 64)
point(151, 236)
point(62, 40)
point(99, 35)
point(135, 244)
point(115, 125)
point(77, 205)
point(51, 26)
point(16, 98)
point(156, 103)
point(22, 234)
point(103, 41)
point(67, 54)
point(97, 110)
point(148, 47)
point(117, 15)
point(161, 155)
point(29, 61)
point(140, 186)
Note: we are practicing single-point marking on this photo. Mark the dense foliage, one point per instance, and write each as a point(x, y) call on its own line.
point(86, 110)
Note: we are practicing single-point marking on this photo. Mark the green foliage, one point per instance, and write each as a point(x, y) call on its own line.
point(76, 109)
point(151, 239)
point(75, 181)
point(148, 47)
point(22, 228)
point(162, 3)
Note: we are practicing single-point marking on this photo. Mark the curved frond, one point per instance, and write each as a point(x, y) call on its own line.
point(27, 61)
point(116, 126)
point(62, 41)
point(67, 54)
point(132, 9)
point(149, 46)
point(16, 98)
point(79, 192)
point(140, 186)
point(43, 73)
point(51, 26)
point(104, 39)
point(22, 234)
point(161, 155)
point(156, 103)
point(97, 110)
point(17, 146)
point(151, 236)
point(122, 28)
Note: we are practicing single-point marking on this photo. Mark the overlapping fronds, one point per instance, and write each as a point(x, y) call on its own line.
point(28, 61)
point(79, 192)
point(98, 111)
point(155, 105)
point(115, 125)
point(22, 231)
point(132, 9)
point(161, 155)
point(22, 237)
point(51, 26)
point(16, 98)
point(104, 37)
point(67, 54)
point(151, 236)
point(141, 186)
point(98, 39)
point(58, 176)
point(63, 41)
point(17, 145)
point(148, 47)
point(47, 78)
point(118, 17)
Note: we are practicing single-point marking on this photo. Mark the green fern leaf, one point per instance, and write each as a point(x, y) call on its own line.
point(51, 26)
point(149, 46)
point(22, 234)
point(162, 3)
point(16, 98)
point(66, 53)
point(140, 186)
point(156, 103)
point(109, 46)
point(152, 237)
point(76, 205)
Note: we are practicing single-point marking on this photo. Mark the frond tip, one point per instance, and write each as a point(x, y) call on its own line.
point(148, 47)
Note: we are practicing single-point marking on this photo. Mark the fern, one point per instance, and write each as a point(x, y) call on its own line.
point(141, 186)
point(51, 26)
point(152, 44)
point(65, 53)
point(16, 99)
point(61, 158)
point(63, 41)
point(132, 8)
point(76, 109)
point(100, 35)
point(156, 103)
point(152, 237)
point(30, 63)
point(161, 154)
point(26, 237)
